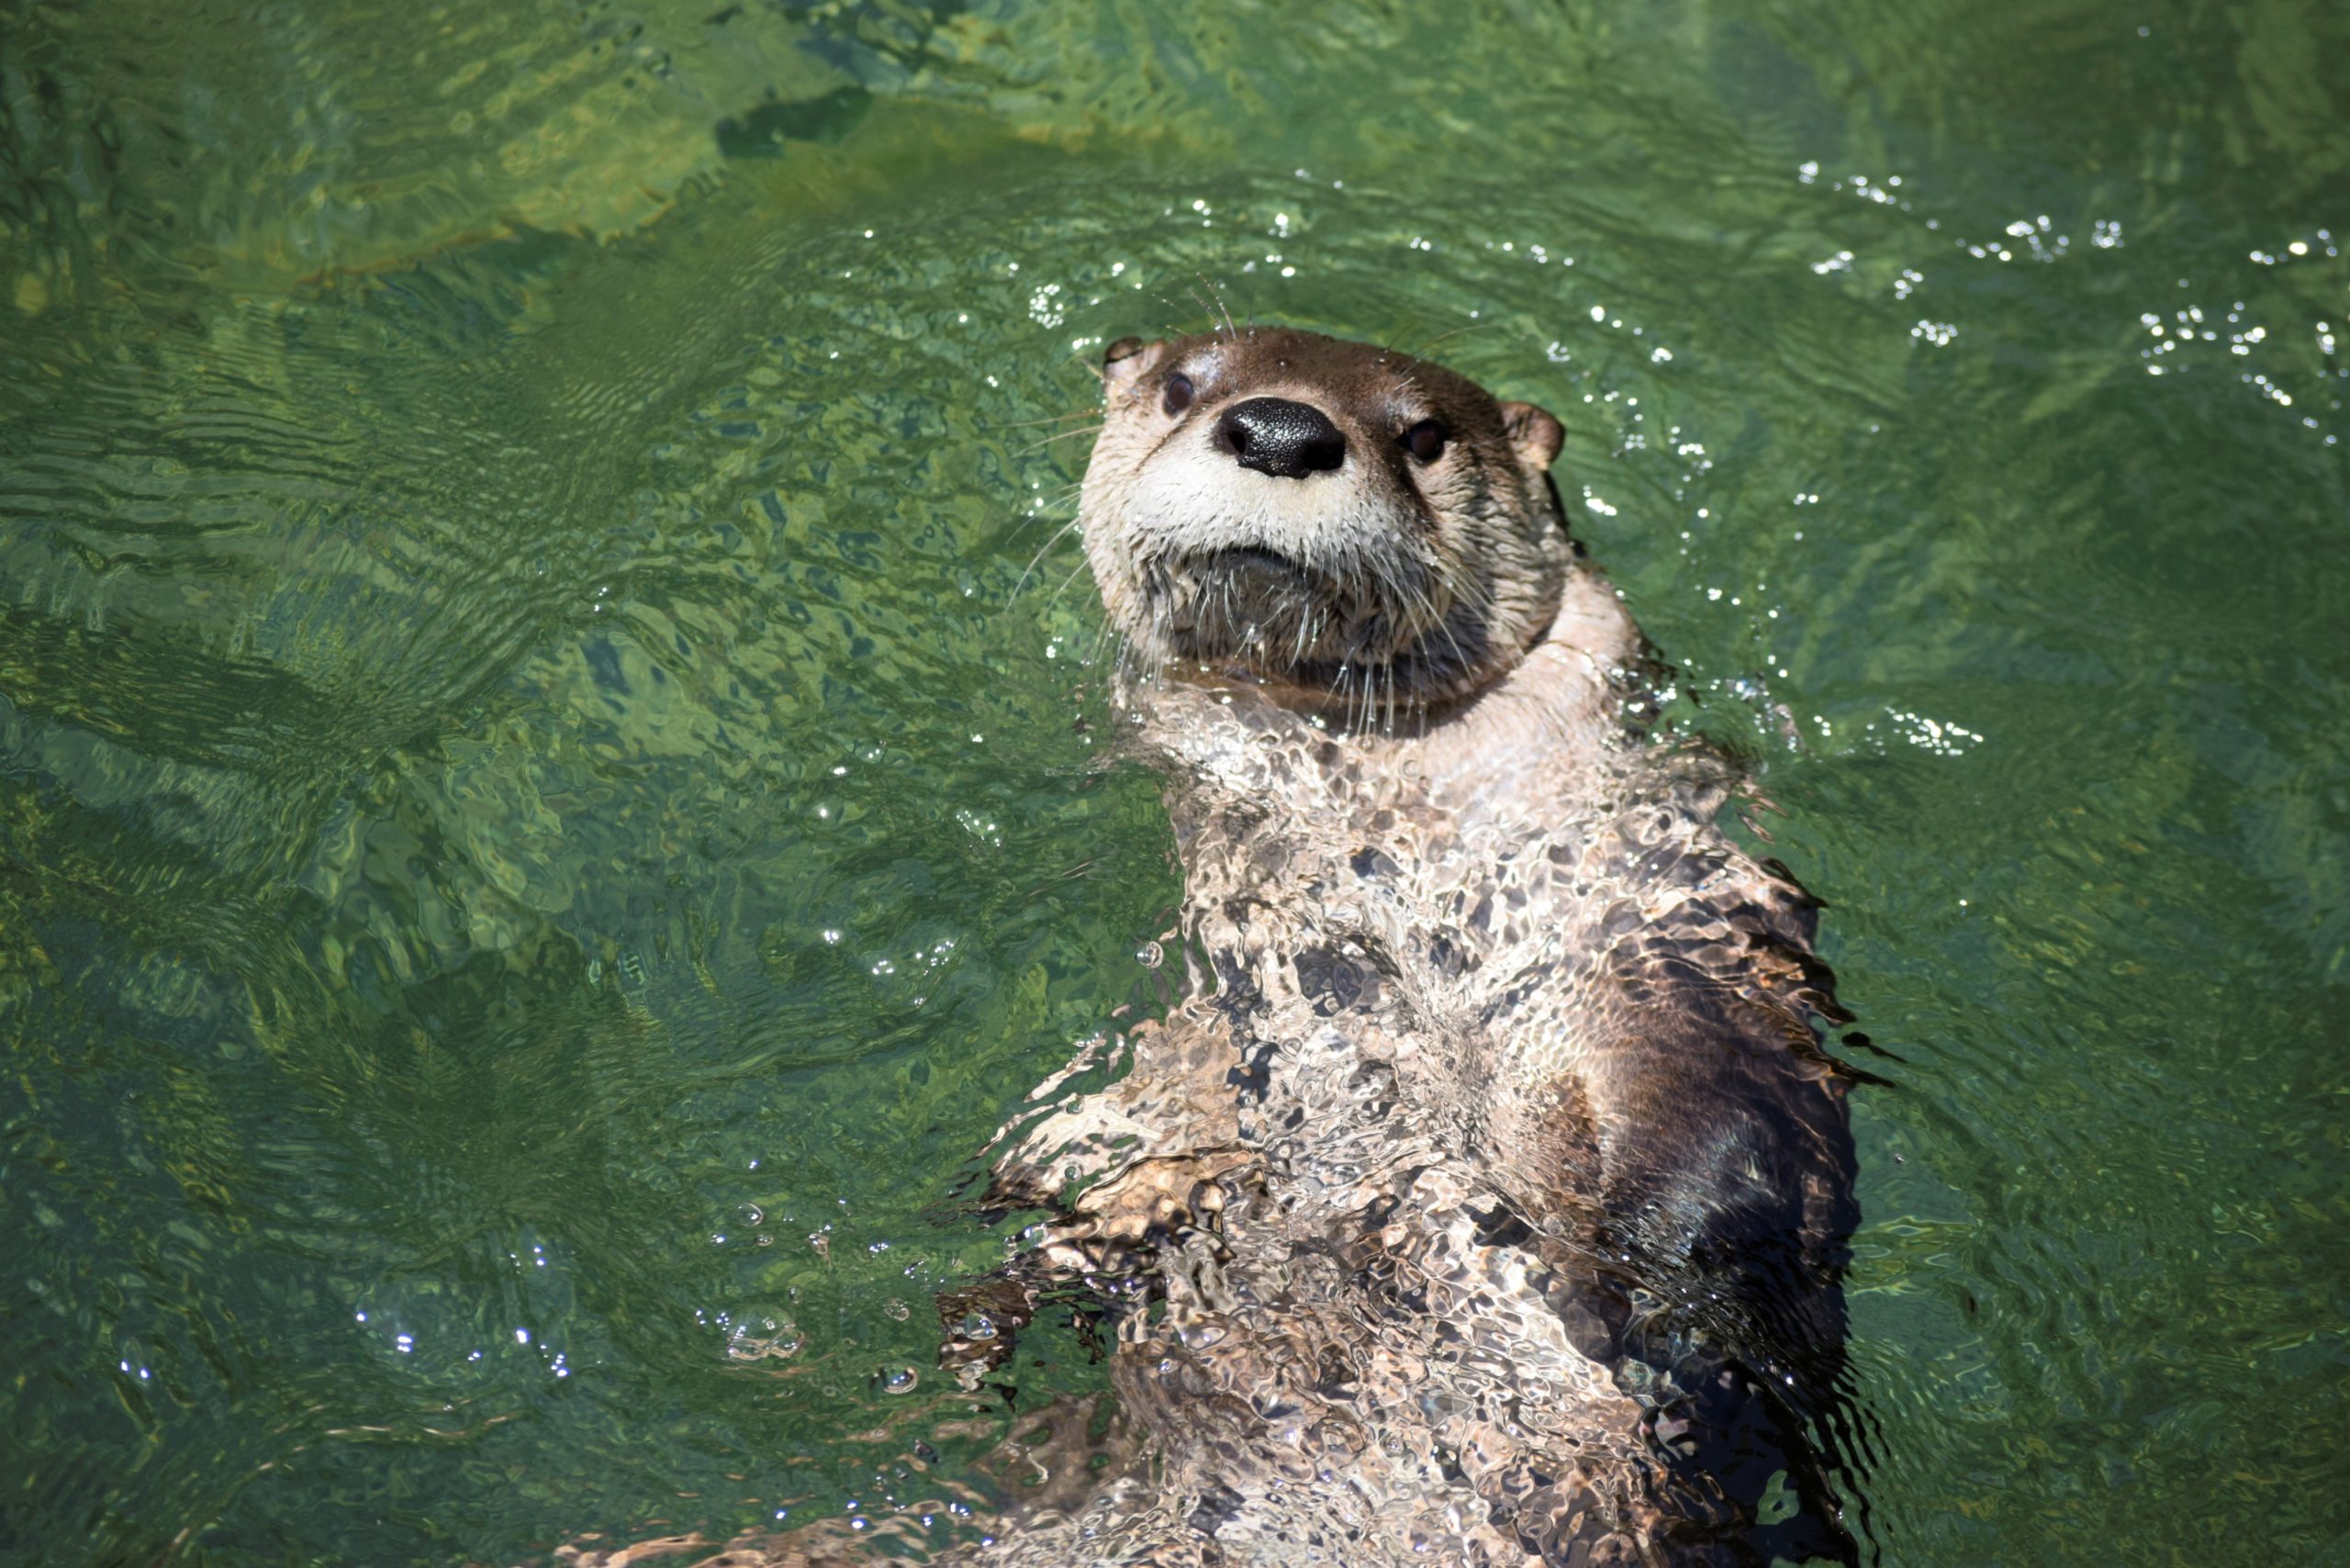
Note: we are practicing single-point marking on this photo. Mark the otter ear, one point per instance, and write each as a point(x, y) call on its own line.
point(1127, 358)
point(1534, 434)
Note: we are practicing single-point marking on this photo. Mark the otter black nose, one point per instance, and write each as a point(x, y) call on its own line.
point(1275, 436)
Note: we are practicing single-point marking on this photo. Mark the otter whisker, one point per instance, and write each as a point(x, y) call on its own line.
point(1446, 336)
point(1041, 509)
point(1059, 435)
point(1073, 576)
point(1091, 411)
point(1171, 328)
point(1231, 332)
point(1127, 658)
point(1206, 308)
point(1420, 610)
point(1308, 627)
point(1473, 594)
point(1357, 712)
point(1062, 532)
point(1462, 662)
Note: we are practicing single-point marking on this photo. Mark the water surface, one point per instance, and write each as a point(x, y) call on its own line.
point(548, 794)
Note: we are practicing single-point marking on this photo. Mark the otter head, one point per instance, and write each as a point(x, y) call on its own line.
point(1343, 524)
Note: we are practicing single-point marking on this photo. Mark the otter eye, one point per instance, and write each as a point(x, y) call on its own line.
point(1179, 393)
point(1424, 441)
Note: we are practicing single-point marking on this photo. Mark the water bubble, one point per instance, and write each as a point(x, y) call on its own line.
point(896, 1380)
point(1150, 955)
point(762, 1334)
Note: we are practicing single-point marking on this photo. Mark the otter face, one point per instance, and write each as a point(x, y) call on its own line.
point(1337, 520)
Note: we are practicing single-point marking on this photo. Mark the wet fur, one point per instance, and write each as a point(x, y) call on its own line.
point(1485, 1200)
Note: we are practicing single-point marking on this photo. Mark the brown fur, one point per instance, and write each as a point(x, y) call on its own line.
point(1483, 1202)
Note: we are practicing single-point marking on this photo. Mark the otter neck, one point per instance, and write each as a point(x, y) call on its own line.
point(1512, 748)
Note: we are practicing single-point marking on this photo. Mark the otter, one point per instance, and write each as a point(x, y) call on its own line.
point(1484, 1199)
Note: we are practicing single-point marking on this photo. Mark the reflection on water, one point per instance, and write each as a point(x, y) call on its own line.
point(538, 840)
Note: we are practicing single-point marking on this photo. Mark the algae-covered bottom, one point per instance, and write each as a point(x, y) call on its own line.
point(549, 797)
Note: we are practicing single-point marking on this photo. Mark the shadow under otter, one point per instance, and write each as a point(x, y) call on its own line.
point(1486, 1199)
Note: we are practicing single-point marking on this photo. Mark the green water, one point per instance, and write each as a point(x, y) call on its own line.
point(545, 817)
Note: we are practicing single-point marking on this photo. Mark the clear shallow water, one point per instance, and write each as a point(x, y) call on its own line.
point(541, 822)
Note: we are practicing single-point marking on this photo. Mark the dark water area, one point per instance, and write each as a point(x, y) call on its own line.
point(549, 804)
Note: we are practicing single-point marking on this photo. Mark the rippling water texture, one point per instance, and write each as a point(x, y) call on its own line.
point(546, 819)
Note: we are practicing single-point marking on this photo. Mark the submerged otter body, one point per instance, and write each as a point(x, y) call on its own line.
point(1485, 1200)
